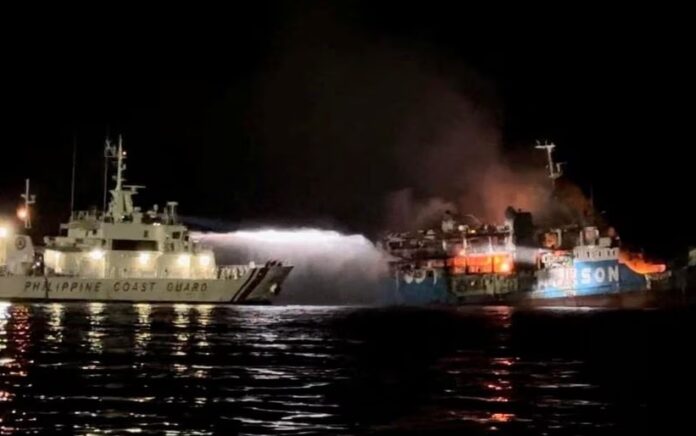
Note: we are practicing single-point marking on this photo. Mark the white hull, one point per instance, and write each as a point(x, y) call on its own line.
point(260, 284)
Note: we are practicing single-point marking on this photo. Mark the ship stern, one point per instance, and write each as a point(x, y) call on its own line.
point(268, 285)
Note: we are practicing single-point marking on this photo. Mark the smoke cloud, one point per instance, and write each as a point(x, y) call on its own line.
point(396, 125)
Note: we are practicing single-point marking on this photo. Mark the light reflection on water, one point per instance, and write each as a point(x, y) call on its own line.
point(142, 335)
point(205, 369)
point(96, 331)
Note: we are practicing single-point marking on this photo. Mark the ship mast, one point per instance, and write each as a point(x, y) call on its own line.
point(118, 204)
point(120, 165)
point(109, 152)
point(555, 168)
point(114, 152)
point(24, 213)
point(121, 205)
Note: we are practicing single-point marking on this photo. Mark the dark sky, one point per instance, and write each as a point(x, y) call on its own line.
point(314, 112)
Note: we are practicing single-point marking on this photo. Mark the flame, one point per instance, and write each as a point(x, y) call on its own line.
point(638, 264)
point(483, 263)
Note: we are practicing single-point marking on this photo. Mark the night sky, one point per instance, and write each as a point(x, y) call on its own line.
point(312, 113)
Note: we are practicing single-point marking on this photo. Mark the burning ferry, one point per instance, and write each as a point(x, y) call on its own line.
point(465, 261)
point(127, 254)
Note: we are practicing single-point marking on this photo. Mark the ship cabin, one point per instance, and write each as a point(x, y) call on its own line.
point(465, 249)
point(485, 250)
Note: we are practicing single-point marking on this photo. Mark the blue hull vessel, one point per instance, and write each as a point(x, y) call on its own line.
point(601, 283)
point(465, 261)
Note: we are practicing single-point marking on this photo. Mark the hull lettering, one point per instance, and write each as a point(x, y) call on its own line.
point(91, 287)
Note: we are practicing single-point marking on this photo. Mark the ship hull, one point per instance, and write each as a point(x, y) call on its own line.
point(626, 290)
point(258, 285)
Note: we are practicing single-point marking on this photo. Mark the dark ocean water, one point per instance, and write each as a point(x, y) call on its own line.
point(194, 369)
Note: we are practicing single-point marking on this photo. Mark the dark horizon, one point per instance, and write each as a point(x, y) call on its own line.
point(308, 113)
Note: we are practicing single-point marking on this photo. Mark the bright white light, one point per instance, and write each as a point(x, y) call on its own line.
point(144, 258)
point(183, 260)
point(22, 213)
point(4, 312)
point(204, 260)
point(3, 232)
point(96, 254)
point(96, 308)
point(299, 236)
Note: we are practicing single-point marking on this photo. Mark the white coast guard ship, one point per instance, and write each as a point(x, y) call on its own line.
point(128, 255)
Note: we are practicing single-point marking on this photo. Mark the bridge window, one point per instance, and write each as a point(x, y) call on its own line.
point(133, 245)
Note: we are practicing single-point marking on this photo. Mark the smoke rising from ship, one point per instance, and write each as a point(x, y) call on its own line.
point(453, 153)
point(389, 123)
point(329, 267)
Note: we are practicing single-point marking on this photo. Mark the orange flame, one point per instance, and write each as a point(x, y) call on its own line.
point(484, 263)
point(638, 264)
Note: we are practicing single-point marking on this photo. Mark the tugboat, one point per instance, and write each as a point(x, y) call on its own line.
point(126, 254)
point(518, 263)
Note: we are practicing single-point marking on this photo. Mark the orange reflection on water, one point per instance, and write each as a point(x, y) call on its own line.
point(502, 417)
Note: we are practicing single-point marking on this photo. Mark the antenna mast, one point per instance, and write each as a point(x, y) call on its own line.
point(109, 153)
point(120, 166)
point(555, 168)
point(24, 214)
point(121, 204)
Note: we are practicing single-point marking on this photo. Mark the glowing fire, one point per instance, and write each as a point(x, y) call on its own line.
point(638, 264)
point(484, 263)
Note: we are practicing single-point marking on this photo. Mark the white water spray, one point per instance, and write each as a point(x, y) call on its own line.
point(329, 267)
